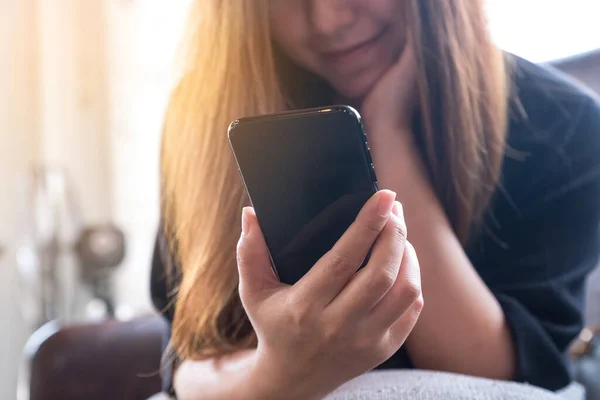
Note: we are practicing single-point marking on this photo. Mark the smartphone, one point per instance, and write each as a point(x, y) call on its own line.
point(307, 173)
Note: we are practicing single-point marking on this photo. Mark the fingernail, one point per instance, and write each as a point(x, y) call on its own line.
point(397, 209)
point(386, 203)
point(245, 222)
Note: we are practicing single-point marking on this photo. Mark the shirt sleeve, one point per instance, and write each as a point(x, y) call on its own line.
point(163, 281)
point(163, 278)
point(539, 276)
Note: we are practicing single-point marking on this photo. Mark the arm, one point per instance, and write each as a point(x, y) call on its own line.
point(231, 377)
point(227, 378)
point(463, 328)
point(514, 317)
point(331, 326)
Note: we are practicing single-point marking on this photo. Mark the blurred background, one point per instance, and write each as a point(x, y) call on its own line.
point(83, 89)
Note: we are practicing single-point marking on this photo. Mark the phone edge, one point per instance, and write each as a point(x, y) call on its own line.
point(230, 130)
point(270, 117)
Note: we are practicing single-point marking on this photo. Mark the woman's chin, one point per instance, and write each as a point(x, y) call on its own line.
point(358, 87)
point(352, 95)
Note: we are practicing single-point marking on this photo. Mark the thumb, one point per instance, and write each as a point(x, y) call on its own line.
point(254, 264)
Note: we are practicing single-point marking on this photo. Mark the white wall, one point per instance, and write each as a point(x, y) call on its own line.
point(142, 40)
point(105, 73)
point(53, 111)
point(545, 30)
point(17, 151)
point(73, 102)
point(83, 87)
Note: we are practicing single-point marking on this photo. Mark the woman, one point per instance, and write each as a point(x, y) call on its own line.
point(493, 159)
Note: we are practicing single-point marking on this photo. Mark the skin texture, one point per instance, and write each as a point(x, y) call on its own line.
point(333, 325)
point(320, 35)
point(301, 329)
point(469, 334)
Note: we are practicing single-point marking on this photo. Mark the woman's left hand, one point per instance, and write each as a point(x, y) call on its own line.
point(388, 112)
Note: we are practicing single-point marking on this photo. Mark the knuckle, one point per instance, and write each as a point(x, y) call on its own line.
point(412, 291)
point(341, 262)
point(299, 315)
point(382, 279)
point(372, 226)
point(382, 351)
point(239, 248)
point(364, 345)
point(333, 333)
point(401, 232)
point(412, 252)
point(418, 305)
point(297, 324)
point(243, 251)
point(244, 294)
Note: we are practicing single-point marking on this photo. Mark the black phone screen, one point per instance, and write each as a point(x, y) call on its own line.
point(307, 174)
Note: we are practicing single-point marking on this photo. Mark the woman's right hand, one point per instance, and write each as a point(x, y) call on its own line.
point(334, 324)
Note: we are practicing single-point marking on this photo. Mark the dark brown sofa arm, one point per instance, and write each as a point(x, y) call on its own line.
point(111, 360)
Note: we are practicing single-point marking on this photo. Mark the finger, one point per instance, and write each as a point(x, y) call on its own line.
point(405, 324)
point(401, 297)
point(254, 264)
point(335, 269)
point(374, 281)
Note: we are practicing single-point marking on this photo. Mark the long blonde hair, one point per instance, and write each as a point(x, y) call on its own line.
point(233, 70)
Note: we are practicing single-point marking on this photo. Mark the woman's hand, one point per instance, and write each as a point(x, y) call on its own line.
point(388, 112)
point(334, 324)
point(391, 103)
point(448, 333)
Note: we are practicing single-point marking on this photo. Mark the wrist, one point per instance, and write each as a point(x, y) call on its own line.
point(425, 214)
point(270, 383)
point(414, 192)
point(398, 163)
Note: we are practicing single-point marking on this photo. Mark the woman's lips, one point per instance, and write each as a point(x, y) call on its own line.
point(354, 53)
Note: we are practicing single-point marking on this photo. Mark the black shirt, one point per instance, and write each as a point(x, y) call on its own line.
point(540, 238)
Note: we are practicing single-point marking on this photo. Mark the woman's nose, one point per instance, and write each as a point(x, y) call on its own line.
point(330, 17)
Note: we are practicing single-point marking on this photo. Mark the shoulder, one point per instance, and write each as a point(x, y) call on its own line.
point(164, 276)
point(548, 199)
point(554, 134)
point(545, 99)
point(548, 107)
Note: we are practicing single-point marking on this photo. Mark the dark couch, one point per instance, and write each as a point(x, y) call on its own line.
point(110, 360)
